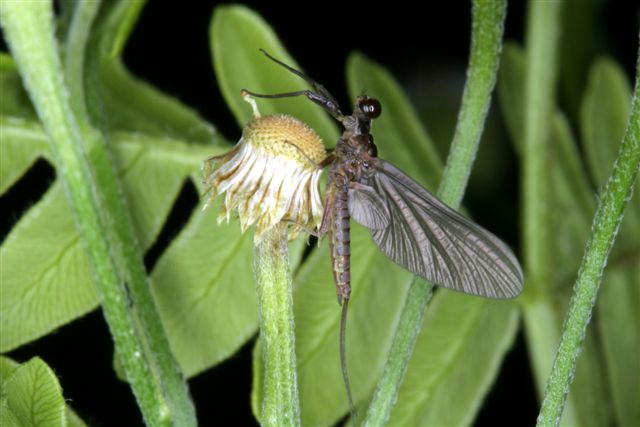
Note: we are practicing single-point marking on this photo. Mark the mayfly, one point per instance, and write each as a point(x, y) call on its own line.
point(407, 223)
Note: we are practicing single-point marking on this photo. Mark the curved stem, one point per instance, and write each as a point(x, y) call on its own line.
point(608, 217)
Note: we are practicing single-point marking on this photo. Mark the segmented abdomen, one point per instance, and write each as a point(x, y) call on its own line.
point(341, 244)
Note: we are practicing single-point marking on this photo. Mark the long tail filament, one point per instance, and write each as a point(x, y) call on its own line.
point(343, 358)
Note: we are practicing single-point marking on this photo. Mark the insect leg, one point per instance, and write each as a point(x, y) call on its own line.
point(249, 99)
point(321, 96)
point(325, 223)
point(320, 165)
point(326, 103)
point(306, 229)
point(328, 160)
point(314, 84)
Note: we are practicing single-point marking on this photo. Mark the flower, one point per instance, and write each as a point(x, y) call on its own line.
point(271, 175)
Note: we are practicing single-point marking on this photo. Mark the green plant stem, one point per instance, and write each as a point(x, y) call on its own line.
point(280, 406)
point(128, 254)
point(101, 217)
point(402, 346)
point(543, 28)
point(540, 320)
point(486, 44)
point(73, 60)
point(608, 217)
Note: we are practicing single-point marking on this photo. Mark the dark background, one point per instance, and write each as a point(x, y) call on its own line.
point(426, 49)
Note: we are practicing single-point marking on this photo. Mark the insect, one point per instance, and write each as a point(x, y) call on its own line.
point(407, 223)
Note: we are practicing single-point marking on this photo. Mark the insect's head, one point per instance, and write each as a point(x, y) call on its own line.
point(364, 110)
point(367, 107)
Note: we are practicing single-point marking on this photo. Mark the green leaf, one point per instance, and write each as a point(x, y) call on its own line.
point(571, 202)
point(511, 96)
point(203, 284)
point(402, 139)
point(200, 281)
point(570, 205)
point(55, 278)
point(456, 359)
point(73, 420)
point(510, 91)
point(605, 108)
point(117, 23)
point(7, 368)
point(21, 142)
point(236, 33)
point(583, 37)
point(608, 217)
point(7, 418)
point(604, 112)
point(131, 104)
point(45, 276)
point(14, 100)
point(31, 396)
point(573, 207)
point(618, 323)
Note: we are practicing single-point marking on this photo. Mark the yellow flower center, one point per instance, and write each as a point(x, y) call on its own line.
point(286, 136)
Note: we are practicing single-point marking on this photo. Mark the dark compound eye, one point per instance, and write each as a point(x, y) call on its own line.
point(371, 107)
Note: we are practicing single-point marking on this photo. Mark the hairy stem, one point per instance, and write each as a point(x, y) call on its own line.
point(280, 406)
point(84, 167)
point(608, 217)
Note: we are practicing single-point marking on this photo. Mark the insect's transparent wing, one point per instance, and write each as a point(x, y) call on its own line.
point(435, 242)
point(367, 208)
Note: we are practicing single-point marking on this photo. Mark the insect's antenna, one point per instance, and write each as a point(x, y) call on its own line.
point(321, 96)
point(343, 359)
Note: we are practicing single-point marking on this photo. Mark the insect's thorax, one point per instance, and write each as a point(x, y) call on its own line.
point(354, 157)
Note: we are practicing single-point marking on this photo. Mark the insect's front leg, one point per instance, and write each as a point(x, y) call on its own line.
point(331, 157)
point(325, 223)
